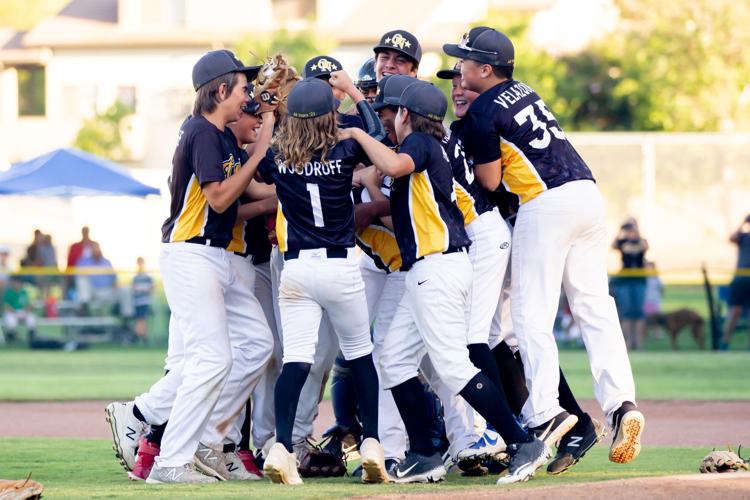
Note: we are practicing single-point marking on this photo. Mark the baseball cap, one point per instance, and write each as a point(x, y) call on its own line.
point(366, 76)
point(309, 98)
point(450, 74)
point(400, 41)
point(424, 99)
point(391, 88)
point(217, 63)
point(321, 67)
point(484, 45)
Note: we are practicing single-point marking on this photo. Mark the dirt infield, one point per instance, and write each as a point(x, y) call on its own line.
point(668, 423)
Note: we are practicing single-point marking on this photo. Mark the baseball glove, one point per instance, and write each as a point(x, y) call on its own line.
point(723, 461)
point(20, 490)
point(275, 80)
point(314, 461)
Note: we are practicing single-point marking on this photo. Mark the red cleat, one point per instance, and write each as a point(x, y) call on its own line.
point(147, 452)
point(248, 460)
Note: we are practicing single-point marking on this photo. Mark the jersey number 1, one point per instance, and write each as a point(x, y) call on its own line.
point(317, 208)
point(528, 113)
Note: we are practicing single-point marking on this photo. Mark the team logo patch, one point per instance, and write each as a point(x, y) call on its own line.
point(398, 40)
point(504, 245)
point(324, 65)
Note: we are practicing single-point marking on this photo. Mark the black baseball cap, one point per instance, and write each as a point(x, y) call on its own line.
point(366, 76)
point(309, 98)
point(321, 67)
point(400, 41)
point(217, 63)
point(450, 74)
point(484, 45)
point(424, 99)
point(391, 88)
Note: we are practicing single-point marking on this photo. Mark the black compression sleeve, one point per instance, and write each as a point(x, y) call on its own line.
point(370, 119)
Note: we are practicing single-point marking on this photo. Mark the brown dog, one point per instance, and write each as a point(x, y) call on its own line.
point(673, 322)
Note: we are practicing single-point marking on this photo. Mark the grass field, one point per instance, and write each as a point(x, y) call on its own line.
point(118, 373)
point(87, 469)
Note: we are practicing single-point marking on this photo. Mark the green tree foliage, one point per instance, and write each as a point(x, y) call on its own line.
point(100, 134)
point(298, 47)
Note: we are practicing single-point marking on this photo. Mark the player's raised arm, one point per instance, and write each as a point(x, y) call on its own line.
point(373, 126)
point(386, 160)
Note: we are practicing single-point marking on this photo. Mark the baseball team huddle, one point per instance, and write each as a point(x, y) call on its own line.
point(412, 263)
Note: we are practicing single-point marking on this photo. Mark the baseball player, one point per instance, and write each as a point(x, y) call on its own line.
point(322, 67)
point(432, 314)
point(559, 237)
point(315, 231)
point(367, 82)
point(206, 288)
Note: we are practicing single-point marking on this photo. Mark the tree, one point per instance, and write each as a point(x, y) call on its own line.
point(100, 134)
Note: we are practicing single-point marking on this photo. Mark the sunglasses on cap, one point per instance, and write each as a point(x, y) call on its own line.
point(462, 44)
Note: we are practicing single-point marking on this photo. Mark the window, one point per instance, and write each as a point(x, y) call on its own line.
point(31, 91)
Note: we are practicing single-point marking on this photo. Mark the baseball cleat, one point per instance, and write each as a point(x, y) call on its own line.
point(416, 468)
point(236, 468)
point(147, 452)
point(184, 474)
point(127, 430)
point(211, 462)
point(554, 429)
point(574, 445)
point(280, 466)
point(525, 459)
point(628, 427)
point(489, 445)
point(373, 462)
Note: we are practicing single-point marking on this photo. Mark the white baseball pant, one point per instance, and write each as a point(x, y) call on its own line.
point(208, 290)
point(501, 329)
point(560, 237)
point(12, 318)
point(431, 319)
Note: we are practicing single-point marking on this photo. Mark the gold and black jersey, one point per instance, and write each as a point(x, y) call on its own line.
point(376, 240)
point(204, 154)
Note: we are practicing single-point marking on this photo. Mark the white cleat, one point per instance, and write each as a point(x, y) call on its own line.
point(127, 430)
point(373, 462)
point(281, 466)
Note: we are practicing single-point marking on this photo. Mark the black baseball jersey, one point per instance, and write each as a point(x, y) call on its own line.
point(204, 154)
point(349, 121)
point(426, 219)
point(316, 209)
point(377, 240)
point(470, 196)
point(510, 122)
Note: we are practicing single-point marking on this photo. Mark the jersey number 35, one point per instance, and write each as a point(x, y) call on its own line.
point(546, 123)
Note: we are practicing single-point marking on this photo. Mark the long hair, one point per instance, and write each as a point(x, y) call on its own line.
point(298, 139)
point(207, 97)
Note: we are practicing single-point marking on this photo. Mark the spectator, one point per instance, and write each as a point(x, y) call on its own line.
point(16, 308)
point(32, 251)
point(75, 252)
point(739, 288)
point(630, 285)
point(4, 268)
point(93, 285)
point(47, 257)
point(143, 286)
point(654, 290)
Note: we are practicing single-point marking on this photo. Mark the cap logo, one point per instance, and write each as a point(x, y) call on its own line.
point(324, 65)
point(398, 40)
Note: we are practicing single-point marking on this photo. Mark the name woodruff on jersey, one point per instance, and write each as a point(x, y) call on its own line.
point(313, 168)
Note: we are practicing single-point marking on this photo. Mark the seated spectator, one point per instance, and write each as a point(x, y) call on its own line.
point(16, 309)
point(143, 286)
point(92, 284)
point(630, 285)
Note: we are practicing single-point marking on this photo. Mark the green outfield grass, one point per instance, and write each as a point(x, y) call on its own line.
point(71, 468)
point(113, 374)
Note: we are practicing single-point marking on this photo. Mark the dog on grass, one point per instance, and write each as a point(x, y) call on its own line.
point(674, 322)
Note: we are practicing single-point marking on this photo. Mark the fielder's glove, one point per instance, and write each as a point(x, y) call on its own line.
point(20, 490)
point(314, 461)
point(275, 80)
point(723, 461)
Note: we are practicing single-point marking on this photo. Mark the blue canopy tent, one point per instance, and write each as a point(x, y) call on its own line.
point(68, 173)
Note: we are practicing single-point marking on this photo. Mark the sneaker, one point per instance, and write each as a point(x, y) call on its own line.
point(575, 444)
point(182, 474)
point(127, 430)
point(373, 462)
point(147, 452)
point(417, 468)
point(236, 469)
point(628, 427)
point(211, 462)
point(248, 460)
point(525, 459)
point(489, 445)
point(281, 466)
point(554, 429)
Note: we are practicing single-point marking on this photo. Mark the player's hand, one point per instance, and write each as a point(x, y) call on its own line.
point(340, 80)
point(345, 133)
point(371, 176)
point(363, 215)
point(270, 204)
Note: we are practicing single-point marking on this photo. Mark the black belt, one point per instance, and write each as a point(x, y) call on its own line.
point(331, 253)
point(450, 250)
point(209, 242)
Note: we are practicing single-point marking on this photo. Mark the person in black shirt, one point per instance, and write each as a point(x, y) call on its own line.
point(630, 286)
point(739, 288)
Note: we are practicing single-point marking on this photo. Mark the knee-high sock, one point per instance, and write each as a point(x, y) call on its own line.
point(412, 405)
point(367, 388)
point(286, 396)
point(486, 398)
point(512, 377)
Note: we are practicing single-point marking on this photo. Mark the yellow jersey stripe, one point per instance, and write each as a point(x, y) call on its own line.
point(238, 243)
point(430, 231)
point(519, 175)
point(381, 242)
point(281, 229)
point(193, 215)
point(465, 202)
